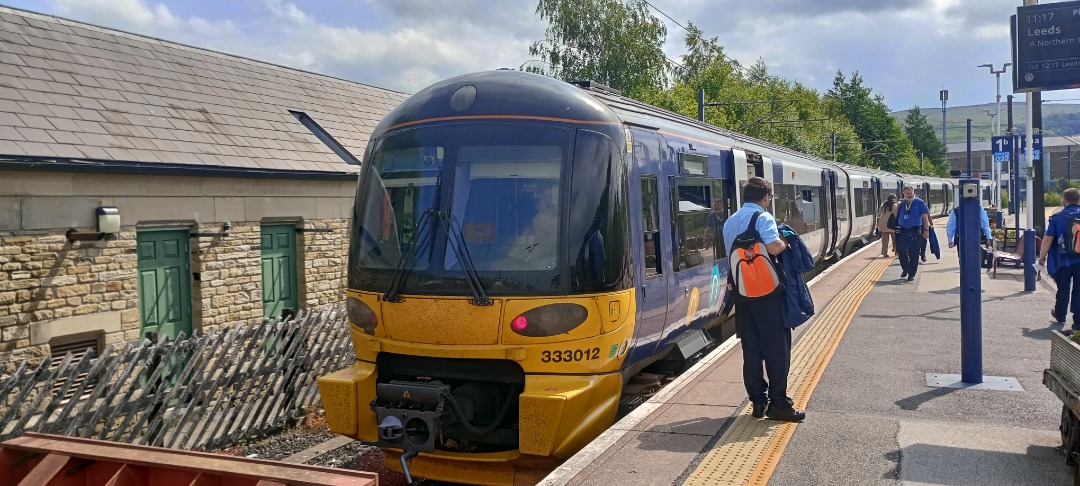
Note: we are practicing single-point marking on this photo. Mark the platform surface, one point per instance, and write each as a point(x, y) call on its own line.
point(860, 368)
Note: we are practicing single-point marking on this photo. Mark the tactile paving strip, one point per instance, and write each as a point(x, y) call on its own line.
point(749, 450)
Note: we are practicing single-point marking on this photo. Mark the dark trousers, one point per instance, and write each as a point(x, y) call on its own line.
point(764, 340)
point(909, 243)
point(1068, 278)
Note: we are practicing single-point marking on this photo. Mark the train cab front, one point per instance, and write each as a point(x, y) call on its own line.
point(500, 394)
point(491, 298)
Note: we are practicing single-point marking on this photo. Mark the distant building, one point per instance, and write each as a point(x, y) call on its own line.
point(1056, 151)
point(229, 208)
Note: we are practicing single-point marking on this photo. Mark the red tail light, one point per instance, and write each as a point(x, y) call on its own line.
point(362, 316)
point(549, 320)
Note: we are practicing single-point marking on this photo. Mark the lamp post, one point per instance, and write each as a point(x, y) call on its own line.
point(944, 95)
point(1068, 158)
point(997, 99)
point(993, 117)
point(996, 125)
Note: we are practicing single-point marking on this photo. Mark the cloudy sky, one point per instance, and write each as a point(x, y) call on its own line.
point(906, 50)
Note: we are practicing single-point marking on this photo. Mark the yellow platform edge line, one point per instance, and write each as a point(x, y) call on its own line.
point(819, 341)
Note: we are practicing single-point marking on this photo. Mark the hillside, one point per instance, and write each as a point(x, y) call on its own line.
point(956, 116)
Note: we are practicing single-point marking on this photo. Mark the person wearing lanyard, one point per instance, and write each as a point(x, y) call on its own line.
point(913, 217)
point(1064, 266)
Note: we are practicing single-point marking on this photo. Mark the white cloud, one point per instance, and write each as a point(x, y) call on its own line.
point(905, 49)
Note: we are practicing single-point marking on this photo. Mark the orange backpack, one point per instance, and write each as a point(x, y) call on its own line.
point(754, 273)
point(1071, 239)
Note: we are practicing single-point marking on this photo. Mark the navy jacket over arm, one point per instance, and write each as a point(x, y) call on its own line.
point(796, 259)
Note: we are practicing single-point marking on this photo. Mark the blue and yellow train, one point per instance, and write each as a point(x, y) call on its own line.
point(522, 246)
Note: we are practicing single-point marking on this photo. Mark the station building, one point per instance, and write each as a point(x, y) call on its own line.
point(1061, 153)
point(150, 187)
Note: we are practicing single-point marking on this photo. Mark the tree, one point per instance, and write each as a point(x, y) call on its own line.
point(1062, 123)
point(926, 142)
point(614, 42)
point(885, 142)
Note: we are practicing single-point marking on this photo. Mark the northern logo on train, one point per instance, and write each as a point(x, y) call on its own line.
point(754, 273)
point(714, 288)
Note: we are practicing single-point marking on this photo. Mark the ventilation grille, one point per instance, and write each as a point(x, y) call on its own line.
point(78, 349)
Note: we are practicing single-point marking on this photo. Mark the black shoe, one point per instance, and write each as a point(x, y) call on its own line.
point(923, 259)
point(786, 414)
point(911, 278)
point(758, 410)
point(1059, 320)
point(903, 275)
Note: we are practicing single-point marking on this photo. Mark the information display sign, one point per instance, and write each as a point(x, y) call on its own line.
point(1046, 47)
point(1002, 147)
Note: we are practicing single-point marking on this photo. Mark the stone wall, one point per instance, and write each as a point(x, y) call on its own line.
point(324, 257)
point(50, 287)
point(45, 279)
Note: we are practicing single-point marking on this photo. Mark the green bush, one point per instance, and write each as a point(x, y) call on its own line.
point(1004, 199)
point(1052, 200)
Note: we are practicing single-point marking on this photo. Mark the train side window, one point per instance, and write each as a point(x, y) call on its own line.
point(692, 207)
point(650, 225)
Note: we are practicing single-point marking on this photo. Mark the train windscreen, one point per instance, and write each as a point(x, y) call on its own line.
point(440, 204)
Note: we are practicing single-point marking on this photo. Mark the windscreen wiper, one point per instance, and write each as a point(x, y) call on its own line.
point(457, 240)
point(408, 258)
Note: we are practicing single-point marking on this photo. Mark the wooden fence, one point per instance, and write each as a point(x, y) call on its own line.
point(204, 392)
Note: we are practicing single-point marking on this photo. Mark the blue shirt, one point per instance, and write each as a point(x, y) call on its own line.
point(950, 227)
point(737, 223)
point(1059, 225)
point(909, 215)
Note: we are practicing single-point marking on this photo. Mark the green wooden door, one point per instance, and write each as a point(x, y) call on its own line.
point(164, 283)
point(278, 269)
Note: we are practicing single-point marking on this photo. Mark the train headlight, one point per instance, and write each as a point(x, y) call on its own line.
point(362, 316)
point(549, 320)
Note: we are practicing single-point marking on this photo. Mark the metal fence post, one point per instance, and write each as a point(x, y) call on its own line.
point(1029, 260)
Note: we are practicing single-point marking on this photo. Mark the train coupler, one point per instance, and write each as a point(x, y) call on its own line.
point(409, 414)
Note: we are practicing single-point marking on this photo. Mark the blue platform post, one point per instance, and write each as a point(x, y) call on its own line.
point(1029, 260)
point(969, 228)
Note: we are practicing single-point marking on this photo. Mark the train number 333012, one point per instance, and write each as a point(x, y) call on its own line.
point(568, 355)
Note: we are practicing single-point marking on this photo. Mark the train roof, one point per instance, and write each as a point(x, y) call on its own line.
point(545, 98)
point(486, 93)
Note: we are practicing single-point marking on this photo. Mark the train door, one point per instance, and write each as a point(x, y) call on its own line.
point(741, 174)
point(842, 219)
point(652, 245)
point(693, 257)
point(877, 196)
point(828, 185)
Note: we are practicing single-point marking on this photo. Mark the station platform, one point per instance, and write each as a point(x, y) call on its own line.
point(860, 368)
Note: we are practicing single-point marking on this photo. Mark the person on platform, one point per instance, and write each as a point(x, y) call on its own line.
point(714, 227)
point(759, 322)
point(1064, 267)
point(954, 235)
point(888, 235)
point(913, 218)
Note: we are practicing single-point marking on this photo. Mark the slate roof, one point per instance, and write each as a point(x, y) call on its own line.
point(76, 91)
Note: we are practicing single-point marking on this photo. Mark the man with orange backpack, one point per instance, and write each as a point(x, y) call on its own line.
point(756, 279)
point(1064, 233)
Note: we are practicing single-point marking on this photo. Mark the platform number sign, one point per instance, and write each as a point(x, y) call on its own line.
point(1002, 147)
point(1036, 140)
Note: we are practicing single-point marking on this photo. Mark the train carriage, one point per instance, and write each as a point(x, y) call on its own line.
point(521, 247)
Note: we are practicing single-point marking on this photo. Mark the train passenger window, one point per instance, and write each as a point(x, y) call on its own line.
point(691, 164)
point(650, 225)
point(695, 221)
